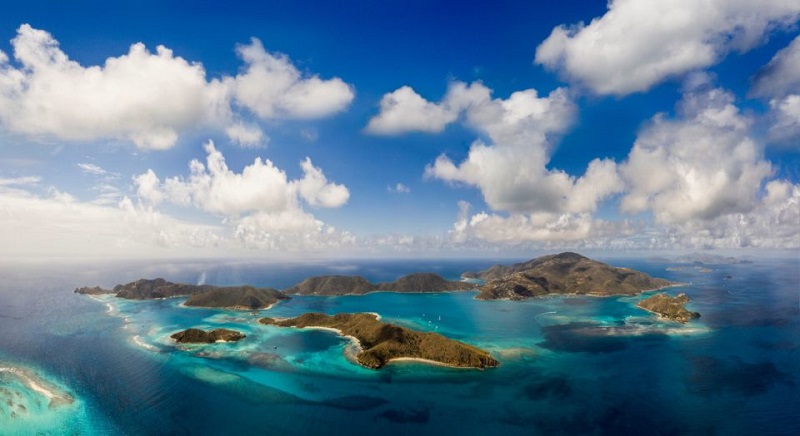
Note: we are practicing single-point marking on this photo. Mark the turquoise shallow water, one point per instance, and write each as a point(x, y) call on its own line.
point(570, 365)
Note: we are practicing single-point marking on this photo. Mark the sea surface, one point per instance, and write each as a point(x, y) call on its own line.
point(75, 364)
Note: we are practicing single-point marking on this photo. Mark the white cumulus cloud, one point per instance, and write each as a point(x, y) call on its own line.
point(522, 228)
point(272, 87)
point(781, 76)
point(779, 82)
point(511, 169)
point(639, 43)
point(773, 222)
point(509, 166)
point(151, 98)
point(260, 187)
point(262, 206)
point(700, 166)
point(246, 135)
point(404, 110)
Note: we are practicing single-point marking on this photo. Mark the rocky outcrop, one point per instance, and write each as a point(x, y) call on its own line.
point(672, 308)
point(197, 336)
point(357, 285)
point(382, 342)
point(230, 297)
point(565, 273)
point(93, 290)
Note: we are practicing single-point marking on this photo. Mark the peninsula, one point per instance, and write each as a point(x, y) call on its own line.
point(357, 285)
point(382, 343)
point(229, 297)
point(565, 273)
point(669, 307)
point(197, 336)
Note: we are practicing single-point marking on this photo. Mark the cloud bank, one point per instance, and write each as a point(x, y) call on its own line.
point(510, 167)
point(150, 99)
point(638, 44)
point(697, 179)
point(779, 83)
point(701, 165)
point(262, 206)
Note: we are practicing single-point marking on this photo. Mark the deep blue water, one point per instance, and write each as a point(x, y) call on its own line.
point(569, 365)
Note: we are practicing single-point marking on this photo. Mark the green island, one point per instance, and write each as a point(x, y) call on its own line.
point(357, 285)
point(382, 342)
point(227, 297)
point(197, 336)
point(672, 308)
point(562, 274)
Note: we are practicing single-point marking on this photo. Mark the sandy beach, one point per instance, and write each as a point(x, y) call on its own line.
point(427, 361)
point(55, 398)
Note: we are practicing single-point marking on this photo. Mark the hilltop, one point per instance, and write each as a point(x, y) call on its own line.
point(565, 273)
point(357, 285)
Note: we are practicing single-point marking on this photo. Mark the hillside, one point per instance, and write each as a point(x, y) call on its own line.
point(565, 273)
point(382, 342)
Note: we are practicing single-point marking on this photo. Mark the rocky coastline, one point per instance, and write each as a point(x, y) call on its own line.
point(672, 308)
point(197, 336)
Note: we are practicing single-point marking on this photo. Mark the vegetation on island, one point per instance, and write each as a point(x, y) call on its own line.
point(565, 273)
point(383, 342)
point(197, 336)
point(673, 308)
point(228, 297)
point(357, 285)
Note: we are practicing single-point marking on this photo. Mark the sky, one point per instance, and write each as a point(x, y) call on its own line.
point(286, 129)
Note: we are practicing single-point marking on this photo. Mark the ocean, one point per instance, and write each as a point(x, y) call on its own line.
point(75, 364)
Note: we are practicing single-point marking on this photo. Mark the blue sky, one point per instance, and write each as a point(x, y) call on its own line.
point(397, 128)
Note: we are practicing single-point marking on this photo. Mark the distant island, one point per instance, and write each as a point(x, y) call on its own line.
point(236, 297)
point(672, 308)
point(357, 285)
point(228, 297)
point(382, 343)
point(565, 273)
point(709, 259)
point(197, 336)
point(700, 259)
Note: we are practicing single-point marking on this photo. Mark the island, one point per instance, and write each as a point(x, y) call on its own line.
point(228, 297)
point(710, 259)
point(236, 297)
point(357, 285)
point(672, 308)
point(197, 336)
point(562, 274)
point(381, 343)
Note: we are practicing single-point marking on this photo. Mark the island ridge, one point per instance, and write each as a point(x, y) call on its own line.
point(565, 273)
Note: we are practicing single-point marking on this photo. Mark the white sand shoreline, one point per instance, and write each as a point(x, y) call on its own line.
point(33, 384)
point(428, 362)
